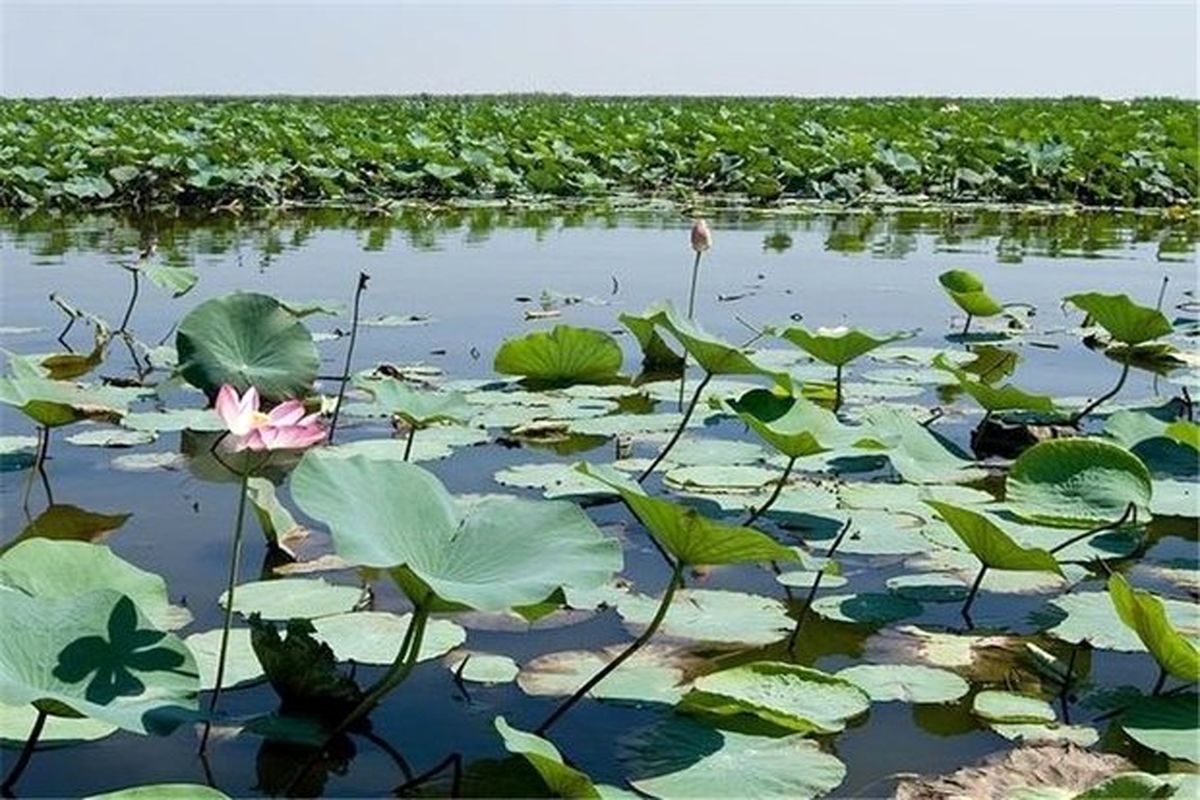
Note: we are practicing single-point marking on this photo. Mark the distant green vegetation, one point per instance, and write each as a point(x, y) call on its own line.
point(213, 152)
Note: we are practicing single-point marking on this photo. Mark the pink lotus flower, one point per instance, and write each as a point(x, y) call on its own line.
point(284, 428)
point(701, 236)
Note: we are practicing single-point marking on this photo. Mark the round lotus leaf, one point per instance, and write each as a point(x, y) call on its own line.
point(787, 695)
point(1165, 724)
point(868, 608)
point(374, 637)
point(164, 791)
point(1126, 321)
point(804, 579)
point(1038, 733)
point(1091, 616)
point(48, 568)
point(633, 424)
point(966, 567)
point(111, 437)
point(929, 587)
point(246, 339)
point(1175, 499)
point(651, 675)
point(490, 554)
point(917, 453)
point(880, 533)
point(564, 355)
point(837, 346)
point(907, 497)
point(1077, 483)
point(17, 453)
point(241, 663)
point(712, 616)
point(1142, 784)
point(678, 758)
point(288, 598)
point(906, 377)
point(734, 478)
point(555, 479)
point(16, 723)
point(98, 655)
point(967, 291)
point(482, 667)
point(149, 462)
point(1009, 707)
point(697, 452)
point(906, 683)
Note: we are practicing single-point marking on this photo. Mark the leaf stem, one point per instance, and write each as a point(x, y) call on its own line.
point(610, 667)
point(39, 468)
point(26, 754)
point(812, 592)
point(133, 296)
point(965, 611)
point(758, 512)
point(1130, 510)
point(967, 325)
point(1160, 683)
point(837, 397)
point(412, 431)
point(235, 561)
point(337, 409)
point(454, 761)
point(1092, 406)
point(687, 416)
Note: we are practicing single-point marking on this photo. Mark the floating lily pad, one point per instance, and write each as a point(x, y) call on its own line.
point(563, 356)
point(906, 683)
point(111, 437)
point(288, 598)
point(712, 616)
point(374, 637)
point(733, 478)
point(164, 791)
point(929, 587)
point(1077, 482)
point(16, 723)
point(679, 758)
point(653, 674)
point(1009, 707)
point(149, 462)
point(1038, 733)
point(1166, 725)
point(804, 579)
point(17, 452)
point(869, 608)
point(174, 419)
point(1091, 616)
point(241, 664)
point(915, 452)
point(490, 668)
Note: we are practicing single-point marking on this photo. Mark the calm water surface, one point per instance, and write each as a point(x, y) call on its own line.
point(468, 273)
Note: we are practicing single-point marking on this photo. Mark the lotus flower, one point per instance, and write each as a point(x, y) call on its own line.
point(284, 428)
point(701, 236)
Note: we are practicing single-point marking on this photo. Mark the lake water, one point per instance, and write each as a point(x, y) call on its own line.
point(474, 274)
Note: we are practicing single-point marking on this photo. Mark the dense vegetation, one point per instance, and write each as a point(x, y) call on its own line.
point(213, 152)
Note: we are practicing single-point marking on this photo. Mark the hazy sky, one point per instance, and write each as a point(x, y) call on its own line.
point(959, 47)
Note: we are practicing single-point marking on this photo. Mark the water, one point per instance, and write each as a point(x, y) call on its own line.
point(465, 270)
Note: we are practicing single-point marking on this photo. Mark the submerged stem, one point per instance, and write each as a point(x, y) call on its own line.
point(133, 296)
point(758, 512)
point(39, 468)
point(1111, 393)
point(812, 591)
point(235, 561)
point(26, 754)
point(687, 415)
point(625, 655)
point(337, 409)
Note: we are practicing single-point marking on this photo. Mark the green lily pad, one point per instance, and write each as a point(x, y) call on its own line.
point(56, 403)
point(788, 695)
point(1166, 725)
point(712, 616)
point(869, 608)
point(98, 655)
point(563, 356)
point(929, 587)
point(907, 497)
point(17, 453)
point(1091, 616)
point(164, 791)
point(1077, 483)
point(1039, 733)
point(1126, 321)
point(653, 674)
point(54, 569)
point(678, 758)
point(906, 683)
point(111, 437)
point(415, 406)
point(804, 579)
point(374, 637)
point(174, 419)
point(561, 780)
point(246, 339)
point(915, 452)
point(1009, 707)
point(967, 291)
point(241, 664)
point(732, 478)
point(656, 353)
point(67, 522)
point(16, 723)
point(1146, 615)
point(489, 555)
point(293, 598)
point(1184, 432)
point(1175, 499)
point(490, 668)
point(692, 451)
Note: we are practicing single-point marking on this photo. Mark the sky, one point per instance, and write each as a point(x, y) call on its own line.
point(847, 48)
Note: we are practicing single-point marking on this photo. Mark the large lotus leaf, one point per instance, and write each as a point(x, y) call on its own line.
point(1009, 707)
point(490, 555)
point(1166, 724)
point(792, 425)
point(966, 289)
point(98, 655)
point(1126, 321)
point(416, 406)
point(909, 683)
point(916, 452)
point(1077, 483)
point(712, 616)
point(997, 398)
point(1146, 434)
point(656, 353)
point(789, 695)
point(714, 355)
point(838, 346)
point(565, 355)
point(1145, 614)
point(246, 339)
point(164, 791)
point(54, 569)
point(693, 538)
point(1092, 616)
point(678, 758)
point(561, 780)
point(55, 403)
point(992, 546)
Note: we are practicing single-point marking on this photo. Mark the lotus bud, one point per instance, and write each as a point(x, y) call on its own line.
point(701, 236)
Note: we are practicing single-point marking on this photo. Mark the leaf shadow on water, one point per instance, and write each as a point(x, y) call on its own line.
point(112, 661)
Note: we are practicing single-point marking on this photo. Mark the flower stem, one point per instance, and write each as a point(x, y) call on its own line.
point(812, 592)
point(687, 416)
point(412, 431)
point(610, 667)
point(695, 280)
point(39, 468)
point(1092, 406)
point(758, 512)
point(26, 754)
point(337, 409)
point(235, 561)
point(837, 388)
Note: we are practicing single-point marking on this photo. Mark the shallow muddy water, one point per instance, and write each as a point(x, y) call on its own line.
point(470, 277)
